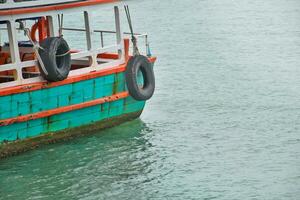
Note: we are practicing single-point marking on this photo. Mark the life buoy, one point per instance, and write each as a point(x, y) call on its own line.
point(135, 65)
point(42, 27)
point(56, 57)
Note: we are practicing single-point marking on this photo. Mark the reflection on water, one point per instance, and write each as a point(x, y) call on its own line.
point(95, 164)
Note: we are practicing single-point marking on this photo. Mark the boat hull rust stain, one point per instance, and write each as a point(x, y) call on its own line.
point(20, 146)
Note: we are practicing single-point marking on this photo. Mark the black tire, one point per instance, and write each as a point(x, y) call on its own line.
point(134, 65)
point(57, 67)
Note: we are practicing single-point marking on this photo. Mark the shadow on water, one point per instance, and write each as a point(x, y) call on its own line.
point(86, 165)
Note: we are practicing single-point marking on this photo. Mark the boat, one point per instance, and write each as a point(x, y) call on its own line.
point(50, 91)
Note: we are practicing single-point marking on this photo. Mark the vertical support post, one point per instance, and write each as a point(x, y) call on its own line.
point(102, 41)
point(14, 48)
point(13, 43)
point(118, 32)
point(146, 44)
point(50, 26)
point(126, 49)
point(60, 18)
point(88, 30)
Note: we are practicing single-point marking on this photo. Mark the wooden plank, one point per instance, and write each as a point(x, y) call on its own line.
point(59, 110)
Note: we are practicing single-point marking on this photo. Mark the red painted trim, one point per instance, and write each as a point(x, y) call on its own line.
point(126, 48)
point(45, 84)
point(73, 79)
point(64, 109)
point(54, 7)
point(108, 56)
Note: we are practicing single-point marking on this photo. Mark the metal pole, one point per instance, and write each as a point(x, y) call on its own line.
point(88, 30)
point(102, 41)
point(14, 48)
point(50, 26)
point(147, 45)
point(118, 31)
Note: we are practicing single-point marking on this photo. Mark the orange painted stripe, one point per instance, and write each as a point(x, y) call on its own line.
point(45, 84)
point(53, 7)
point(64, 109)
point(73, 79)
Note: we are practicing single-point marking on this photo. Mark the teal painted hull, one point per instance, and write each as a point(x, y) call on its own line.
point(65, 95)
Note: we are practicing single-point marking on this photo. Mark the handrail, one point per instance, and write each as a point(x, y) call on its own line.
point(24, 64)
point(112, 32)
point(94, 52)
point(103, 31)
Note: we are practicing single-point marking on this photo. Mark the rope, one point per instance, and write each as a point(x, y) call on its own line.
point(133, 38)
point(36, 46)
point(64, 54)
point(27, 33)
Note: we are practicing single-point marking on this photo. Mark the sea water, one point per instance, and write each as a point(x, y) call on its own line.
point(224, 122)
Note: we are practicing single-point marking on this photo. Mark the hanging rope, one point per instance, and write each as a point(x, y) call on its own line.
point(36, 46)
point(27, 33)
point(60, 29)
point(64, 54)
point(133, 38)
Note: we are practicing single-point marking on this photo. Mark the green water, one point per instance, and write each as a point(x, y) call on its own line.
point(224, 122)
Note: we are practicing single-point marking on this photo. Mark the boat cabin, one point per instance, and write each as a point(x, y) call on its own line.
point(91, 48)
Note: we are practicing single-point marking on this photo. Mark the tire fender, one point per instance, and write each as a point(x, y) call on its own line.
point(135, 65)
point(56, 59)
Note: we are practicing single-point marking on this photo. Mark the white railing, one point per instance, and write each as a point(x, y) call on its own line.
point(89, 57)
point(74, 57)
point(145, 49)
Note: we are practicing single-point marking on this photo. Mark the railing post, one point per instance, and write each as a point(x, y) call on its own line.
point(119, 33)
point(50, 26)
point(14, 48)
point(102, 41)
point(126, 49)
point(89, 32)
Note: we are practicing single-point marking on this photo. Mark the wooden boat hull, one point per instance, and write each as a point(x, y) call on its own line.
point(20, 146)
point(31, 118)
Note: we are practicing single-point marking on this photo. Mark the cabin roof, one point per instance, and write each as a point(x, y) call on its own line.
point(53, 7)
